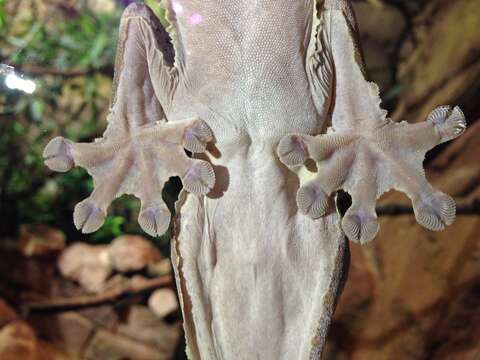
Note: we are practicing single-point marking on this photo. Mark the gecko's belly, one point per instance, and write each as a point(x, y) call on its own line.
point(261, 126)
point(255, 108)
point(254, 200)
point(260, 261)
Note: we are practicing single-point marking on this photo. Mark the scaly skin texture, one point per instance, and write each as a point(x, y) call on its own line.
point(257, 279)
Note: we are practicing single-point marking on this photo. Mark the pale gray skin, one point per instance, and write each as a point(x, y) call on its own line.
point(258, 276)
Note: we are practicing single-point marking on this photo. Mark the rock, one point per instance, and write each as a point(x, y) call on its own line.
point(68, 330)
point(91, 265)
point(17, 341)
point(141, 316)
point(7, 314)
point(32, 273)
point(47, 351)
point(440, 68)
point(109, 346)
point(38, 240)
point(104, 316)
point(160, 268)
point(132, 253)
point(458, 333)
point(144, 326)
point(87, 264)
point(163, 302)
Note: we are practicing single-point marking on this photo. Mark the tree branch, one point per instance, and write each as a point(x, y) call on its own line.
point(35, 70)
point(397, 209)
point(132, 287)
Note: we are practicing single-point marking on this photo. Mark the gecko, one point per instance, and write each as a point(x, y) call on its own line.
point(271, 99)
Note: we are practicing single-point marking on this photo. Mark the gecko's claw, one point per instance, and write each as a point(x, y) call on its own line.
point(292, 150)
point(58, 154)
point(200, 178)
point(155, 219)
point(197, 136)
point(88, 217)
point(312, 200)
point(434, 211)
point(450, 122)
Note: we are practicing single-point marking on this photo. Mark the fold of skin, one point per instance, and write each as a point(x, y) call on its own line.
point(257, 279)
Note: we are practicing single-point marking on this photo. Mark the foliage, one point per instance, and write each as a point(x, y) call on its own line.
point(69, 53)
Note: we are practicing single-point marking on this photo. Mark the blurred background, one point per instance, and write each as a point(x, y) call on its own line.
point(411, 294)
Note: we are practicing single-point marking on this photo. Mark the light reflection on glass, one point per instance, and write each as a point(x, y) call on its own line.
point(14, 82)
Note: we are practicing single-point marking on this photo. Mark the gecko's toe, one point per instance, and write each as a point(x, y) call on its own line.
point(197, 136)
point(450, 123)
point(292, 150)
point(57, 154)
point(200, 178)
point(360, 226)
point(312, 200)
point(154, 220)
point(456, 123)
point(88, 217)
point(434, 211)
point(439, 115)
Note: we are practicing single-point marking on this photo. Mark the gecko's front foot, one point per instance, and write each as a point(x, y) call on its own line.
point(137, 162)
point(368, 161)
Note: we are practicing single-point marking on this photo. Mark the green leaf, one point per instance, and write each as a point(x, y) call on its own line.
point(37, 107)
point(18, 128)
point(16, 41)
point(96, 50)
point(30, 159)
point(3, 17)
point(67, 42)
point(87, 25)
point(110, 229)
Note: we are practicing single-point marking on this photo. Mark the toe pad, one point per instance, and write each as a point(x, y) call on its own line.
point(200, 178)
point(57, 155)
point(88, 217)
point(451, 123)
point(197, 136)
point(292, 150)
point(312, 201)
point(435, 211)
point(359, 226)
point(154, 220)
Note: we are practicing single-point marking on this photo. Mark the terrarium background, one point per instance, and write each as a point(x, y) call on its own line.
point(411, 294)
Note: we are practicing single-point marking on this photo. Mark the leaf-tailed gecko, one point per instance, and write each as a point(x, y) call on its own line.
point(259, 254)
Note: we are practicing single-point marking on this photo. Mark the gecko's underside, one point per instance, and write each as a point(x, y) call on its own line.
point(259, 251)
